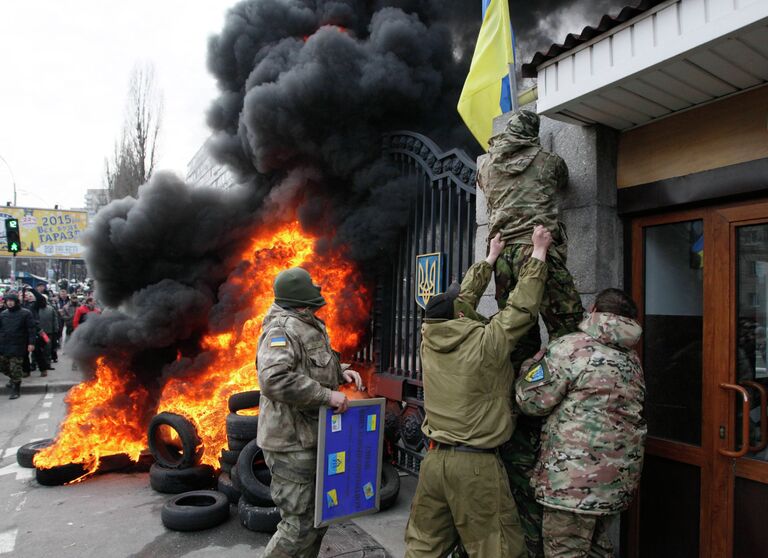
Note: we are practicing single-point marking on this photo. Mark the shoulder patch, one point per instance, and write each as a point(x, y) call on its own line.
point(537, 373)
point(278, 341)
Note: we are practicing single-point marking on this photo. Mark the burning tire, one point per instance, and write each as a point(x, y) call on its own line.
point(390, 486)
point(176, 481)
point(257, 518)
point(27, 452)
point(61, 474)
point(241, 427)
point(178, 451)
point(225, 486)
point(250, 474)
point(195, 511)
point(244, 400)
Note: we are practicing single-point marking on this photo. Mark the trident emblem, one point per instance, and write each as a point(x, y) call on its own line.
point(429, 277)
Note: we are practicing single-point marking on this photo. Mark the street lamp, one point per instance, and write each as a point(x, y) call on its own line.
point(13, 179)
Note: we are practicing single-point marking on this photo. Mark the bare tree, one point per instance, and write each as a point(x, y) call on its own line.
point(135, 153)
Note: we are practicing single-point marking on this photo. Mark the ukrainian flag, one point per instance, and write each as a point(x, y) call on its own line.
point(484, 90)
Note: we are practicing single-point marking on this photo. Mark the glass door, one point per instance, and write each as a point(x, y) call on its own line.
point(701, 282)
point(742, 463)
point(669, 287)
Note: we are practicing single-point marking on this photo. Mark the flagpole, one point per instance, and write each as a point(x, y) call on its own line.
point(513, 75)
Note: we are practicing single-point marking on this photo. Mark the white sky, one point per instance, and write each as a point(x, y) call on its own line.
point(64, 72)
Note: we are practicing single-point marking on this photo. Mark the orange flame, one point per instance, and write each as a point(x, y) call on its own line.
point(94, 428)
point(105, 418)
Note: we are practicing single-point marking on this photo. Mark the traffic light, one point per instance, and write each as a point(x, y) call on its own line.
point(12, 235)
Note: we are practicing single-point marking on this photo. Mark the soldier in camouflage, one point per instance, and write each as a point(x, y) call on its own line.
point(521, 183)
point(590, 387)
point(298, 372)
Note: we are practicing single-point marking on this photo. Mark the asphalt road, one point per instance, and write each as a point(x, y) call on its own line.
point(118, 515)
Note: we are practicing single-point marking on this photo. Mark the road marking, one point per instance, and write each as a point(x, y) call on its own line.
point(41, 428)
point(49, 396)
point(8, 541)
point(21, 472)
point(10, 451)
point(47, 404)
point(44, 415)
point(21, 504)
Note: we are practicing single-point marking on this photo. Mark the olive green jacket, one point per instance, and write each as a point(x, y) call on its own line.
point(297, 372)
point(466, 368)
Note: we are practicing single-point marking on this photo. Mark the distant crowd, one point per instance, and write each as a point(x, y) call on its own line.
point(34, 325)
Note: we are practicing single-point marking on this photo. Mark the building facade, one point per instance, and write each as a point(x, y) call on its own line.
point(202, 170)
point(95, 199)
point(661, 115)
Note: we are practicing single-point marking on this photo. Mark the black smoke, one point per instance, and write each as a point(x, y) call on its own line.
point(307, 88)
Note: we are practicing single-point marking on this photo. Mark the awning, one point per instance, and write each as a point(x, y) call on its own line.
point(669, 57)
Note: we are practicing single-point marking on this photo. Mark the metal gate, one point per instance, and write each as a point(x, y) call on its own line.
point(442, 222)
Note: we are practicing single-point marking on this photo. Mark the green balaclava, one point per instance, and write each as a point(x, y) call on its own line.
point(294, 289)
point(524, 124)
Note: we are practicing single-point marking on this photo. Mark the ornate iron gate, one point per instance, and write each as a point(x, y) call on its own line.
point(442, 221)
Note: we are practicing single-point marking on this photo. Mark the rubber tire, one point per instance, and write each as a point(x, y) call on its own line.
point(229, 456)
point(257, 518)
point(61, 474)
point(176, 481)
point(254, 490)
point(242, 427)
point(195, 510)
point(244, 400)
point(225, 486)
point(116, 462)
point(236, 444)
point(390, 486)
point(192, 449)
point(235, 479)
point(225, 467)
point(26, 453)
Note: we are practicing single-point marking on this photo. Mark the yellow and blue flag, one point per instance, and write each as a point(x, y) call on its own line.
point(487, 92)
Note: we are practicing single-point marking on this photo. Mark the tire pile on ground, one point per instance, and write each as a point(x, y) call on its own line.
point(62, 474)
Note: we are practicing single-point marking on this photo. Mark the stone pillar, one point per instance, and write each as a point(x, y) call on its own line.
point(588, 206)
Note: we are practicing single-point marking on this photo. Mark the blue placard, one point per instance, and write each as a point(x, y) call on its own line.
point(349, 454)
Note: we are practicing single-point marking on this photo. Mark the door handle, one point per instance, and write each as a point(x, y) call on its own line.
point(745, 405)
point(763, 415)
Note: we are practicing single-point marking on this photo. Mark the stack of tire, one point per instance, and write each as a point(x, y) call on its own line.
point(177, 467)
point(245, 477)
point(177, 470)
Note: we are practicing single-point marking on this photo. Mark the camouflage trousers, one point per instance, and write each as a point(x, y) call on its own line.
point(562, 311)
point(12, 367)
point(463, 496)
point(573, 535)
point(293, 490)
point(561, 307)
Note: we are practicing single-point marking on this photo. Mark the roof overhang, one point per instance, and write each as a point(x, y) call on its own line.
point(670, 58)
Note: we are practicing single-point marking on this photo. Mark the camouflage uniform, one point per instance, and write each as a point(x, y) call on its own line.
point(521, 182)
point(463, 491)
point(12, 367)
point(297, 372)
point(590, 384)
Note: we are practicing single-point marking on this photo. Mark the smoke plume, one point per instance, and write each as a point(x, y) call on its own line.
point(306, 90)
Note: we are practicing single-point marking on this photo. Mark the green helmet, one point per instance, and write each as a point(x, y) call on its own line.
point(294, 288)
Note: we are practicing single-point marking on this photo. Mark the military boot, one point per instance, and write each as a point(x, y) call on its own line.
point(15, 390)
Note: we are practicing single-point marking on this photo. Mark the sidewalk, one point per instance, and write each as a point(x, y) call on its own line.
point(58, 380)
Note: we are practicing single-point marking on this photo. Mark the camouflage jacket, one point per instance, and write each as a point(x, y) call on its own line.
point(591, 385)
point(297, 372)
point(466, 368)
point(520, 182)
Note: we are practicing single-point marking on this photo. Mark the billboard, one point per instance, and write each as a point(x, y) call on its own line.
point(46, 233)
